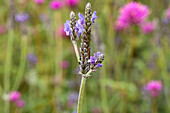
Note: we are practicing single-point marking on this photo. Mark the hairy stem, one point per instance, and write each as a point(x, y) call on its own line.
point(81, 91)
point(76, 51)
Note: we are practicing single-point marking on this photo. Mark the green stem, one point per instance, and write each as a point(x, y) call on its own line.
point(8, 68)
point(76, 51)
point(154, 106)
point(81, 91)
point(22, 63)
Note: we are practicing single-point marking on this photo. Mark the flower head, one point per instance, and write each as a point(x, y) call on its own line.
point(55, 4)
point(120, 25)
point(96, 61)
point(92, 59)
point(21, 17)
point(134, 13)
point(65, 64)
point(32, 59)
point(20, 103)
point(93, 17)
point(147, 27)
point(15, 95)
point(168, 13)
point(154, 88)
point(40, 2)
point(67, 28)
point(72, 3)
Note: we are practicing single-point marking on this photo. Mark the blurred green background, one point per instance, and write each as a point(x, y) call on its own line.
point(37, 60)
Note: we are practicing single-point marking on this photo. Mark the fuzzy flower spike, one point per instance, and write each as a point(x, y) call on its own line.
point(87, 63)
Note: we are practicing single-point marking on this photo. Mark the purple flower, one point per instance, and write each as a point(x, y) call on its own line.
point(93, 17)
point(32, 59)
point(21, 17)
point(55, 5)
point(154, 88)
point(99, 65)
point(67, 28)
point(147, 27)
point(81, 19)
point(20, 103)
point(133, 13)
point(98, 54)
point(15, 95)
point(92, 59)
point(79, 28)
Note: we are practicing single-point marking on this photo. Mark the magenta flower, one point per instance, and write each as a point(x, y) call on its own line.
point(120, 25)
point(55, 4)
point(40, 2)
point(20, 103)
point(168, 13)
point(65, 64)
point(15, 95)
point(132, 13)
point(147, 27)
point(154, 88)
point(72, 3)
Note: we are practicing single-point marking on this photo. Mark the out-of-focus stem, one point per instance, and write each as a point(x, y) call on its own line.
point(154, 106)
point(76, 51)
point(81, 91)
point(22, 63)
point(8, 68)
point(130, 54)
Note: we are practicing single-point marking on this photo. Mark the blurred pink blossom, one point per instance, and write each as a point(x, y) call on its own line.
point(65, 64)
point(15, 95)
point(72, 3)
point(120, 25)
point(56, 4)
point(132, 13)
point(148, 27)
point(168, 13)
point(3, 29)
point(154, 88)
point(61, 32)
point(40, 2)
point(20, 103)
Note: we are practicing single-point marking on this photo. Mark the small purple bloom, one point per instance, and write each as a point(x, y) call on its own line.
point(93, 17)
point(32, 59)
point(99, 65)
point(21, 17)
point(98, 54)
point(92, 59)
point(79, 28)
point(64, 64)
point(67, 28)
point(81, 19)
point(20, 103)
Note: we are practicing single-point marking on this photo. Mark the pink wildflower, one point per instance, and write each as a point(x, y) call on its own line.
point(20, 103)
point(65, 64)
point(134, 13)
point(40, 2)
point(154, 88)
point(13, 96)
point(72, 3)
point(120, 25)
point(147, 27)
point(61, 32)
point(56, 4)
point(168, 13)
